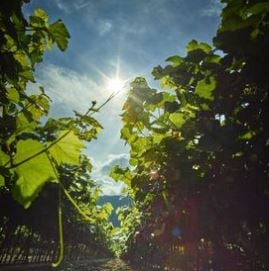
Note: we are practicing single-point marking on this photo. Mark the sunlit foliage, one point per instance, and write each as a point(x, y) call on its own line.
point(199, 151)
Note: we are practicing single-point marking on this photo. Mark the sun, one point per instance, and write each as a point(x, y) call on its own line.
point(115, 84)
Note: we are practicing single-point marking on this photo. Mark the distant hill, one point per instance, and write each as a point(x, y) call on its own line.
point(116, 202)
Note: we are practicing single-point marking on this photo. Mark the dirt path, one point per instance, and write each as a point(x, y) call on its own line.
point(97, 265)
point(102, 265)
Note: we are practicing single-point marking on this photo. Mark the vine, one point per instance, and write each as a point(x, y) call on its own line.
point(199, 151)
point(32, 153)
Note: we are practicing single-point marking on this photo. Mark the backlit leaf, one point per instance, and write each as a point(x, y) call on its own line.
point(41, 14)
point(4, 158)
point(33, 174)
point(28, 75)
point(206, 87)
point(194, 45)
point(2, 181)
point(59, 34)
point(175, 60)
point(13, 95)
point(177, 119)
point(68, 149)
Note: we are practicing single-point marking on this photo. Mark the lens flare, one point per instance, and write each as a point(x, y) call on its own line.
point(115, 84)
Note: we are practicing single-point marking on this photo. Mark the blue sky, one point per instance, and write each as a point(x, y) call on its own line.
point(131, 36)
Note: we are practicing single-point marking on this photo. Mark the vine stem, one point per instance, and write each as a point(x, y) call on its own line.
point(69, 197)
point(40, 152)
point(61, 137)
point(60, 228)
point(60, 215)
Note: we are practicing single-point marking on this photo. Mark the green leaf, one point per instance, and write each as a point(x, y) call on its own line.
point(88, 120)
point(68, 149)
point(13, 95)
point(177, 119)
point(175, 60)
point(121, 174)
point(212, 59)
point(38, 106)
point(139, 82)
point(117, 172)
point(2, 181)
point(24, 122)
point(108, 207)
point(41, 14)
point(140, 145)
point(258, 8)
point(248, 135)
point(133, 162)
point(27, 75)
point(22, 58)
point(125, 132)
point(59, 34)
point(36, 22)
point(4, 158)
point(157, 138)
point(10, 44)
point(206, 87)
point(33, 174)
point(194, 45)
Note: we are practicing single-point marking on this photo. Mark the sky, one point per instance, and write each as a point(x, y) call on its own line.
point(110, 37)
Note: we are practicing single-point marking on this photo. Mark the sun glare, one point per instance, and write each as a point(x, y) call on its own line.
point(115, 84)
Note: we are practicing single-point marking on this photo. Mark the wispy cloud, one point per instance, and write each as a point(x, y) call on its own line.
point(101, 173)
point(62, 6)
point(68, 89)
point(104, 27)
point(69, 6)
point(213, 9)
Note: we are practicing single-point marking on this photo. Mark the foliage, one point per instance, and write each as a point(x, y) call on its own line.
point(199, 150)
point(119, 238)
point(34, 152)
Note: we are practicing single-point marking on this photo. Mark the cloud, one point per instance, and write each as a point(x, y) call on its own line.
point(213, 9)
point(68, 89)
point(104, 27)
point(69, 6)
point(112, 160)
point(62, 6)
point(89, 12)
point(101, 173)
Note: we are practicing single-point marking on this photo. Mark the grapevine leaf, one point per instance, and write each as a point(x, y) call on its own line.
point(90, 121)
point(194, 45)
point(121, 174)
point(175, 60)
point(2, 181)
point(248, 135)
point(177, 119)
point(39, 106)
point(24, 122)
point(27, 75)
point(68, 149)
point(21, 57)
point(4, 158)
point(117, 172)
point(59, 34)
point(108, 207)
point(206, 87)
point(41, 14)
point(13, 95)
point(125, 132)
point(33, 174)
